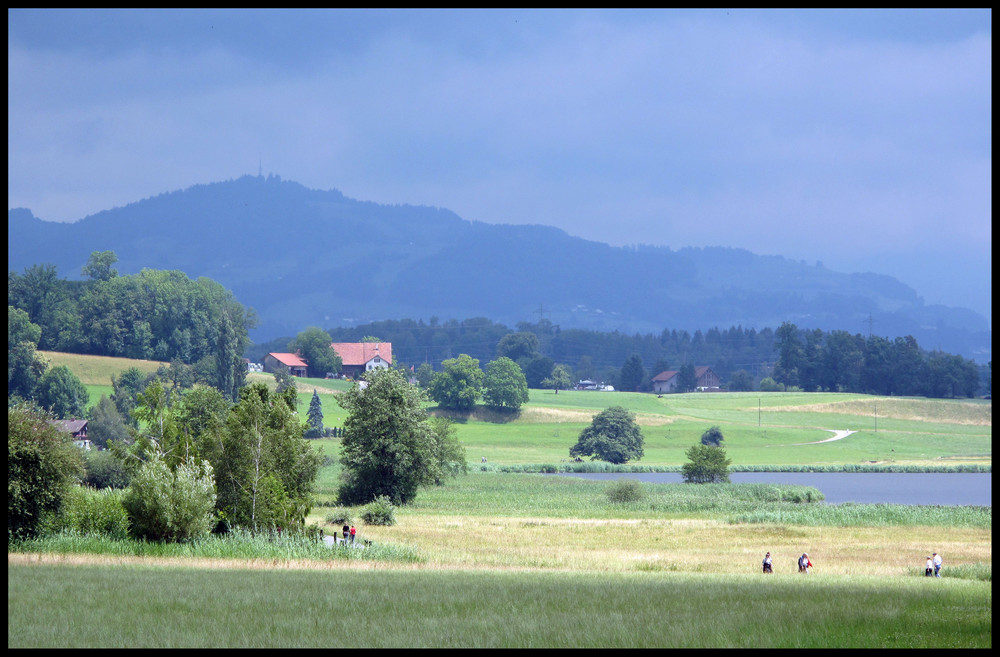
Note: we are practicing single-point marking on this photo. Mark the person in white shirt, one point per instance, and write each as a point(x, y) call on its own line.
point(937, 565)
point(929, 567)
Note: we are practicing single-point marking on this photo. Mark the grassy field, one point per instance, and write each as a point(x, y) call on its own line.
point(527, 560)
point(183, 607)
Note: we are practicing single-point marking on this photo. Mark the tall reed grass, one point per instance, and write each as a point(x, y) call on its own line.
point(234, 545)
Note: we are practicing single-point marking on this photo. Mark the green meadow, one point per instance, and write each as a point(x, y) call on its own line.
point(499, 559)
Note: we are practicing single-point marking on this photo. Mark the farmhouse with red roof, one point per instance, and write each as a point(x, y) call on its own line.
point(360, 357)
point(292, 362)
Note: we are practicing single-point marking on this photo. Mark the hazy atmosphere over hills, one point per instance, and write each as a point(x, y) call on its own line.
point(304, 257)
point(860, 139)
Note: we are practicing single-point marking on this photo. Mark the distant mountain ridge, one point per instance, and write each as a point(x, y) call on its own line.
point(304, 257)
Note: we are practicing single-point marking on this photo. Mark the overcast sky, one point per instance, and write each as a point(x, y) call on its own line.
point(861, 139)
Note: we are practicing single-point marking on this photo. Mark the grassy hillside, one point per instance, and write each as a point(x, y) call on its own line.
point(97, 370)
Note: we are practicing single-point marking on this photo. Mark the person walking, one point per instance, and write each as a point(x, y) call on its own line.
point(937, 564)
point(804, 563)
point(768, 566)
point(929, 567)
point(353, 532)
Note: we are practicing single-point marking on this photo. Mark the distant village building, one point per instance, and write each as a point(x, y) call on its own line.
point(291, 362)
point(360, 357)
point(75, 428)
point(705, 379)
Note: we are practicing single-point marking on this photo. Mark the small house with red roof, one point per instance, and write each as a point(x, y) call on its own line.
point(291, 362)
point(361, 357)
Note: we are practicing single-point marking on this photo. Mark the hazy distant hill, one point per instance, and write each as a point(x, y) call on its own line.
point(305, 257)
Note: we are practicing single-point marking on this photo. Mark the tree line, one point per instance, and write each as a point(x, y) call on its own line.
point(745, 359)
point(152, 315)
point(813, 360)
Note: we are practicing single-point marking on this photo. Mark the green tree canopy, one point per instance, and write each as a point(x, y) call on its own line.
point(460, 385)
point(706, 464)
point(741, 381)
point(60, 392)
point(517, 346)
point(313, 344)
point(504, 385)
point(100, 266)
point(612, 436)
point(42, 465)
point(424, 375)
point(559, 379)
point(25, 367)
point(265, 472)
point(389, 447)
point(633, 374)
point(106, 424)
point(686, 379)
point(712, 436)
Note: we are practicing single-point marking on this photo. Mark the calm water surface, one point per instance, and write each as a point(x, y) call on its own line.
point(924, 488)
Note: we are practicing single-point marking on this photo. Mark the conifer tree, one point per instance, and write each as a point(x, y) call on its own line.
point(314, 418)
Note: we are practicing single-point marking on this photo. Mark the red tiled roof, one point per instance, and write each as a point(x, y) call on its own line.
point(291, 360)
point(359, 353)
point(665, 376)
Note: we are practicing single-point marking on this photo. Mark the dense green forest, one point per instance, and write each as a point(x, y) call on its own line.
point(154, 315)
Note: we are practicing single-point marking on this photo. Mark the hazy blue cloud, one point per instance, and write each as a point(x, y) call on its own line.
point(859, 138)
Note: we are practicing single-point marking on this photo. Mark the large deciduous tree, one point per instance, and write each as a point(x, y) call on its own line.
point(388, 446)
point(612, 436)
point(460, 385)
point(313, 345)
point(504, 385)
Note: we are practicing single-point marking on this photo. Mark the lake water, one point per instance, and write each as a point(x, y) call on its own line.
point(924, 488)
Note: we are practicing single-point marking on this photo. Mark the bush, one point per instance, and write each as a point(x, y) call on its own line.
point(706, 464)
point(340, 516)
point(104, 470)
point(89, 511)
point(713, 437)
point(625, 491)
point(379, 511)
point(165, 505)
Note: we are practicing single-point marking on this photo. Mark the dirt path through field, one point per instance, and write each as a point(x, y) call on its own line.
point(837, 435)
